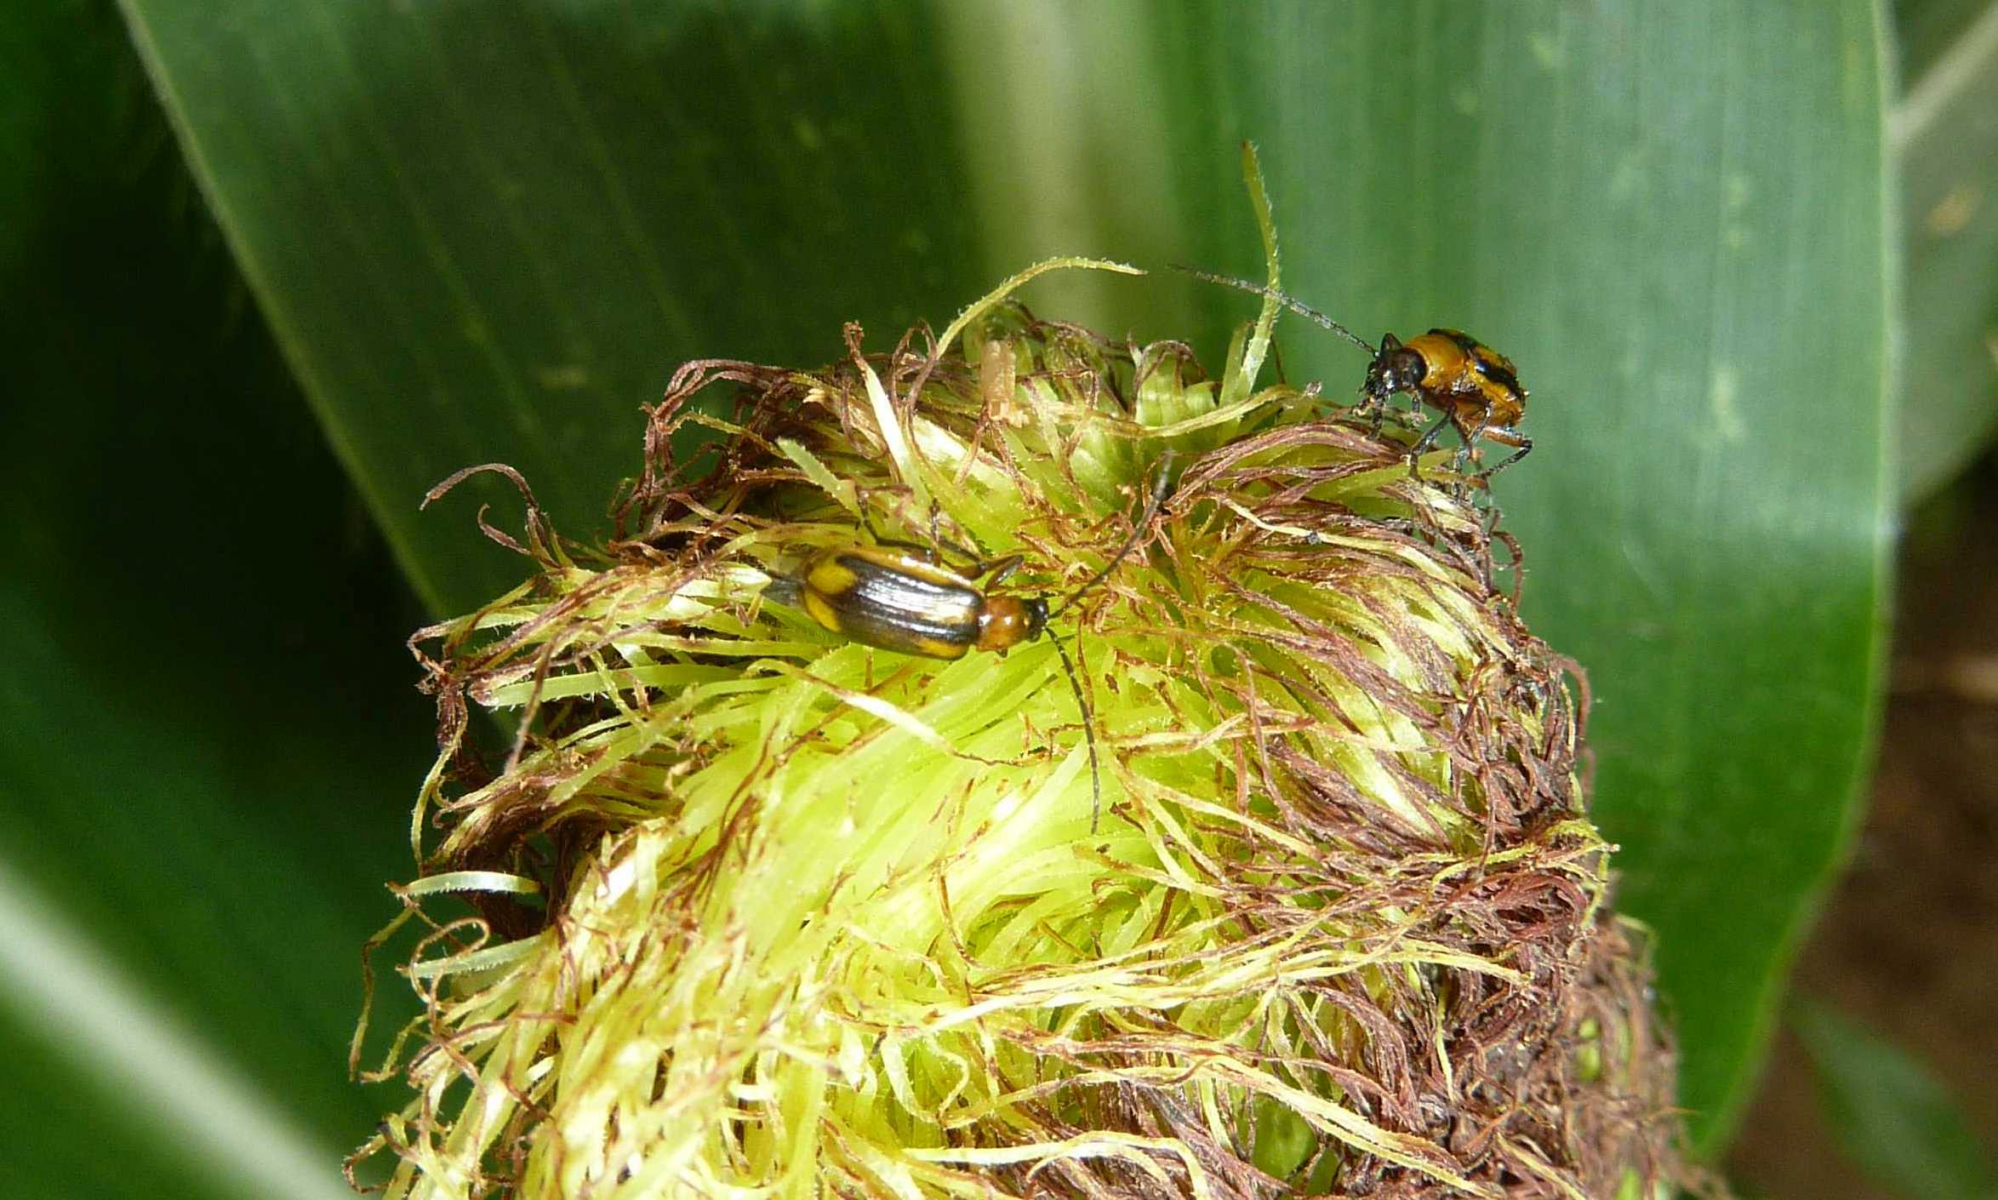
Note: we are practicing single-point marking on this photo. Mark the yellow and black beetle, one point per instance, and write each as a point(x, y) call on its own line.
point(898, 599)
point(901, 598)
point(1476, 388)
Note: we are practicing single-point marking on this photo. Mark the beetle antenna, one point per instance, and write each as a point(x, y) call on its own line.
point(1088, 734)
point(1297, 306)
point(1138, 529)
point(1130, 543)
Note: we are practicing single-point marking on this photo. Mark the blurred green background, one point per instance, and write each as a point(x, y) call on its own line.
point(271, 271)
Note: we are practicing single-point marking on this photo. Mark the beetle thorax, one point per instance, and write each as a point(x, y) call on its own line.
point(1007, 621)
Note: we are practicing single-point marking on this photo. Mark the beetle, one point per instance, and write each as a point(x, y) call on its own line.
point(896, 597)
point(1476, 388)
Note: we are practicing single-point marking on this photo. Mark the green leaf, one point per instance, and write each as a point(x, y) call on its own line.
point(210, 735)
point(1946, 142)
point(491, 232)
point(1925, 31)
point(1891, 1115)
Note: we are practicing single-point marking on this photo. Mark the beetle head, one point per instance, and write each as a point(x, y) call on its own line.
point(1396, 368)
point(1036, 610)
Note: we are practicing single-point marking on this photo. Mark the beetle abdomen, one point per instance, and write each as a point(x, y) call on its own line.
point(892, 601)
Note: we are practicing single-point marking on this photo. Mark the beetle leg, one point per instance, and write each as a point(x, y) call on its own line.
point(1505, 435)
point(997, 569)
point(1468, 452)
point(979, 564)
point(926, 553)
point(929, 552)
point(1423, 443)
point(1369, 406)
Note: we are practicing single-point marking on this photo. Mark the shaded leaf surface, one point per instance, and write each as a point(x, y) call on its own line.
point(84, 1145)
point(483, 234)
point(1944, 134)
point(210, 735)
point(1891, 1114)
point(1926, 30)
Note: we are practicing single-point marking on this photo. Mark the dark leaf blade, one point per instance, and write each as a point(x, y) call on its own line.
point(1927, 30)
point(485, 235)
point(207, 715)
point(1944, 136)
point(1893, 1118)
